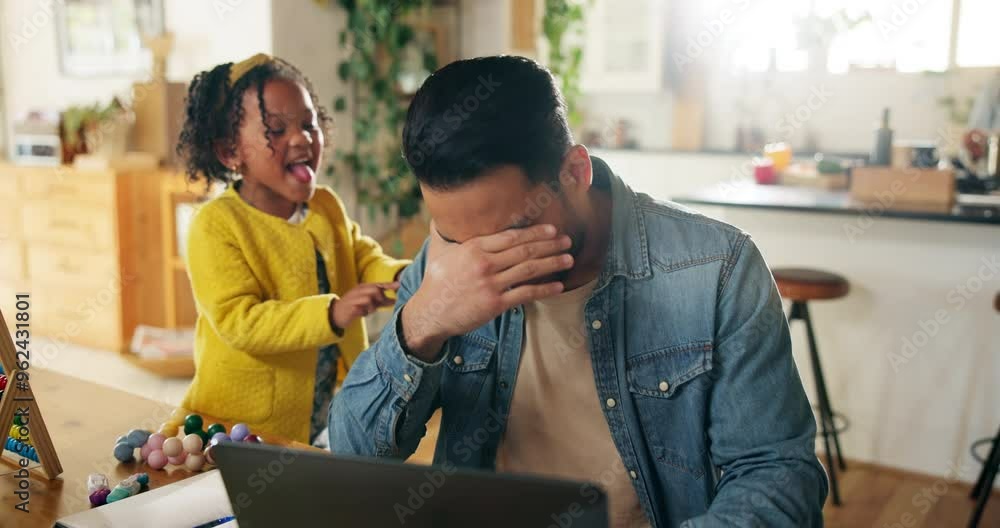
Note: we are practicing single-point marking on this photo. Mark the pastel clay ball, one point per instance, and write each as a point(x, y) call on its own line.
point(172, 446)
point(253, 439)
point(192, 443)
point(144, 451)
point(194, 462)
point(155, 441)
point(123, 439)
point(239, 432)
point(124, 452)
point(219, 437)
point(157, 460)
point(215, 428)
point(99, 497)
point(137, 437)
point(178, 460)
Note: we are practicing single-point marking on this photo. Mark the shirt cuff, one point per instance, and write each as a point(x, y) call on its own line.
point(404, 372)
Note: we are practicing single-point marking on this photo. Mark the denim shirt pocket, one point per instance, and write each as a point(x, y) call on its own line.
point(470, 353)
point(661, 382)
point(661, 373)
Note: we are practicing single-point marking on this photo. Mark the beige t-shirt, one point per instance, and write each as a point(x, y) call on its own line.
point(556, 426)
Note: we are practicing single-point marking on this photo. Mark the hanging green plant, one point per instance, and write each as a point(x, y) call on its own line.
point(562, 25)
point(379, 40)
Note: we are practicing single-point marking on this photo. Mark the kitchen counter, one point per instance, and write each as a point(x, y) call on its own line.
point(912, 353)
point(976, 209)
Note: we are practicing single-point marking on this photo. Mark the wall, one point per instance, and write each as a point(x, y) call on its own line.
point(921, 414)
point(206, 33)
point(843, 119)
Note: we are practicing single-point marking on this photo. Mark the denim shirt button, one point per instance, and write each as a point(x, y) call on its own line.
point(633, 474)
point(611, 403)
point(664, 386)
point(596, 325)
point(408, 378)
point(458, 360)
point(503, 384)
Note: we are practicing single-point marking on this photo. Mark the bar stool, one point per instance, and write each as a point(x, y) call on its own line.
point(984, 484)
point(800, 286)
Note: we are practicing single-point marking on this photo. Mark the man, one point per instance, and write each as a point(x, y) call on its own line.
point(569, 327)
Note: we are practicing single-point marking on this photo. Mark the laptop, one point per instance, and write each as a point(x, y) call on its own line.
point(278, 486)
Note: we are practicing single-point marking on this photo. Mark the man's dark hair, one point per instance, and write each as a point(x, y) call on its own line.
point(478, 114)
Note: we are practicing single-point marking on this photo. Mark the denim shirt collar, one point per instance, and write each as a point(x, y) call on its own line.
point(628, 252)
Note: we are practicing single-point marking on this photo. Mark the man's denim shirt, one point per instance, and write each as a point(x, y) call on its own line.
point(692, 362)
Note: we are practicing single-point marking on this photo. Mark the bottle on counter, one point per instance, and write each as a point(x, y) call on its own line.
point(881, 155)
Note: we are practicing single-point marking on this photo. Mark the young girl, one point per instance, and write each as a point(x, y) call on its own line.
point(281, 276)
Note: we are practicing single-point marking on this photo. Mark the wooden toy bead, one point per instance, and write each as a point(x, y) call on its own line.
point(21, 449)
point(193, 443)
point(137, 437)
point(145, 450)
point(215, 428)
point(124, 452)
point(177, 460)
point(195, 462)
point(220, 437)
point(209, 453)
point(172, 446)
point(157, 460)
point(239, 432)
point(253, 439)
point(192, 423)
point(3, 382)
point(168, 429)
point(155, 441)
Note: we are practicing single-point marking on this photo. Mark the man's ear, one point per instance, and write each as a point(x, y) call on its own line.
point(225, 152)
point(576, 173)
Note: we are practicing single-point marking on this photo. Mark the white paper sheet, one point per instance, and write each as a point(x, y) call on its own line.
point(184, 504)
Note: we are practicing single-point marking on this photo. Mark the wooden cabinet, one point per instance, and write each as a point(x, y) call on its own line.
point(87, 245)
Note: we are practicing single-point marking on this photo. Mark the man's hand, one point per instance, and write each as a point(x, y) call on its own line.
point(360, 301)
point(468, 284)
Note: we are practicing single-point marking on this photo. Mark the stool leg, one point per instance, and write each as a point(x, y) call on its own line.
point(982, 474)
point(984, 484)
point(824, 396)
point(799, 311)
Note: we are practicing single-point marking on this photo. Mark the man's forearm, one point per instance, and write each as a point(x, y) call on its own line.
point(417, 332)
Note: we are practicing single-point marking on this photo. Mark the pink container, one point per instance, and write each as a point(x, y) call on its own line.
point(763, 171)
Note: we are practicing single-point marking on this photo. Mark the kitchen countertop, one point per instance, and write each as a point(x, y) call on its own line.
point(973, 209)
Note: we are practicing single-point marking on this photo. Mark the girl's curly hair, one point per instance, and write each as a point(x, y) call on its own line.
point(214, 112)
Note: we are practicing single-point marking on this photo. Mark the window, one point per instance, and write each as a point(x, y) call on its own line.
point(977, 28)
point(905, 35)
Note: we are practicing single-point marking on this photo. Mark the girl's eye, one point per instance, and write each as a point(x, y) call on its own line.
point(277, 131)
point(309, 126)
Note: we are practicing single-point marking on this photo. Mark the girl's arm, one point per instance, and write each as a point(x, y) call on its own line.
point(228, 295)
point(373, 264)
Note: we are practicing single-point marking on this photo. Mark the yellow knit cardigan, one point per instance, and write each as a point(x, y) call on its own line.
point(261, 320)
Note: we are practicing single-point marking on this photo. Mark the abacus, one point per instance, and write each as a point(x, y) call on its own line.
point(18, 394)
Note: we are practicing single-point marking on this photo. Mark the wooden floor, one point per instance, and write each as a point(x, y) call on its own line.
point(880, 497)
point(873, 496)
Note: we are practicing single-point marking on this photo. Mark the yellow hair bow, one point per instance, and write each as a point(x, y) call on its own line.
point(239, 69)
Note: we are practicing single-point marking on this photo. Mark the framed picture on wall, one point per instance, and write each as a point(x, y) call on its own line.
point(624, 48)
point(103, 38)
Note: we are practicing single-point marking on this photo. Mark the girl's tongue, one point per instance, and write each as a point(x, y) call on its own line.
point(302, 172)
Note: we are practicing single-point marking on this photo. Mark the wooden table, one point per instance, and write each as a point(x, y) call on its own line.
point(84, 420)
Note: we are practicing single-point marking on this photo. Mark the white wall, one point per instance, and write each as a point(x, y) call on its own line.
point(923, 414)
point(206, 34)
point(845, 120)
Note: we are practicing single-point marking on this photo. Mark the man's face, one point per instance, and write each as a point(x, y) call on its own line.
point(503, 198)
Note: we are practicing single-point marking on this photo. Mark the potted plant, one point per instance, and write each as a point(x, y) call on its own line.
point(94, 129)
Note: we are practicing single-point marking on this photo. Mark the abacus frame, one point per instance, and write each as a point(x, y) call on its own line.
point(14, 397)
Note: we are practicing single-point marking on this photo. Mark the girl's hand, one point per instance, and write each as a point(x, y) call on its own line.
point(360, 301)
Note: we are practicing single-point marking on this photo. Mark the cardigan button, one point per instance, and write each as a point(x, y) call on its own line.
point(408, 378)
